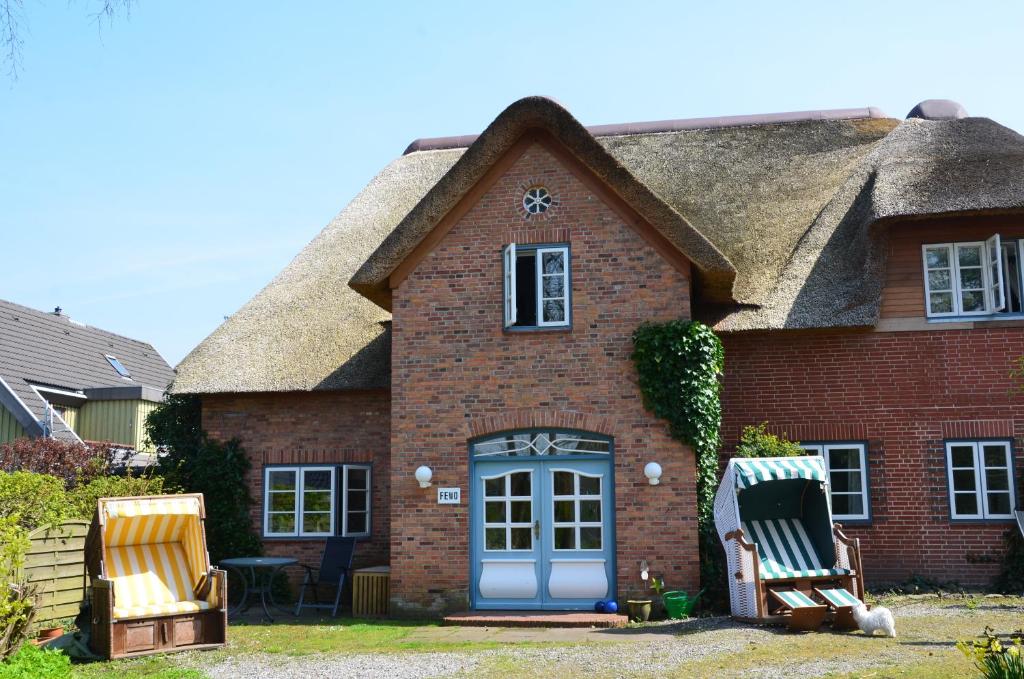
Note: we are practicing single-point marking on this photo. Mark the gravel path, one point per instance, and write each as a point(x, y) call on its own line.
point(650, 651)
point(645, 657)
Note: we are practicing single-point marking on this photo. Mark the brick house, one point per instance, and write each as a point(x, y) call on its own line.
point(470, 312)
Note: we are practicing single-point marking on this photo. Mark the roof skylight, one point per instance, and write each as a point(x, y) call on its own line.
point(118, 366)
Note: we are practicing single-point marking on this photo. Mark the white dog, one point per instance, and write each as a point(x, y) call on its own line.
point(878, 618)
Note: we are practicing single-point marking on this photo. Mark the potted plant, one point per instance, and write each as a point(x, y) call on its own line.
point(639, 609)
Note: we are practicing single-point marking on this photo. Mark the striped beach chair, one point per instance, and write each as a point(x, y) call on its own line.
point(804, 613)
point(774, 518)
point(153, 589)
point(841, 602)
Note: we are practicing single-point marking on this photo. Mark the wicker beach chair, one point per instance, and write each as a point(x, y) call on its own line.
point(153, 589)
point(774, 518)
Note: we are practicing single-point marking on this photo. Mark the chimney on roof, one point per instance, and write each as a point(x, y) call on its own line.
point(938, 109)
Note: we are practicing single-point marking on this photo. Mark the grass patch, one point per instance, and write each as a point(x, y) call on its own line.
point(154, 667)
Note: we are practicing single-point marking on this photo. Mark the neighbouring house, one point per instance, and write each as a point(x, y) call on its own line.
point(471, 311)
point(62, 378)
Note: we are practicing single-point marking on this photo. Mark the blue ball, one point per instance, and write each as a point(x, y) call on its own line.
point(611, 607)
point(599, 607)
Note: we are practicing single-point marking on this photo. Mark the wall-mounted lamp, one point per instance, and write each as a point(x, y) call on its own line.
point(423, 475)
point(653, 473)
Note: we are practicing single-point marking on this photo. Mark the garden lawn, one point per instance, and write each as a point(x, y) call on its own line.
point(928, 629)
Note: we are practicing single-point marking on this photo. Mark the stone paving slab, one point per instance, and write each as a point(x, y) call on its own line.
point(534, 619)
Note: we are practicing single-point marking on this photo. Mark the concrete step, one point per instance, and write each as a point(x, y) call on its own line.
point(535, 619)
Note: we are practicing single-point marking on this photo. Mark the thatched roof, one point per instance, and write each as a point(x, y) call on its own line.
point(834, 275)
point(786, 204)
point(542, 113)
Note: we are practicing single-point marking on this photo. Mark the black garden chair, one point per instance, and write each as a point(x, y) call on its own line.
point(335, 567)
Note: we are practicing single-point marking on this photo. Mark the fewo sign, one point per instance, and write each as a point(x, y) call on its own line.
point(449, 496)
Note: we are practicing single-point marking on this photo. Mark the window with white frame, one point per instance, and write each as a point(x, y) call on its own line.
point(536, 286)
point(302, 501)
point(355, 514)
point(576, 508)
point(980, 479)
point(973, 278)
point(846, 464)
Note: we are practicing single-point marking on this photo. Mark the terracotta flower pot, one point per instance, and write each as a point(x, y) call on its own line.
point(48, 633)
point(639, 609)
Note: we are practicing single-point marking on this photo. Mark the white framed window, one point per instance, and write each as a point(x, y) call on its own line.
point(537, 287)
point(974, 278)
point(508, 511)
point(302, 500)
point(355, 511)
point(846, 464)
point(577, 510)
point(980, 475)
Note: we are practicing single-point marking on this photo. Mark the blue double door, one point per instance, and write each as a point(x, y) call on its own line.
point(543, 533)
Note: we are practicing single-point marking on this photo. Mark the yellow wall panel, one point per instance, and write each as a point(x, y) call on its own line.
point(10, 428)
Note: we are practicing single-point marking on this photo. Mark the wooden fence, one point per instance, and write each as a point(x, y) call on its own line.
point(55, 564)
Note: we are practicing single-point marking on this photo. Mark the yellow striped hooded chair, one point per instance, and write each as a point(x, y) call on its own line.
point(154, 553)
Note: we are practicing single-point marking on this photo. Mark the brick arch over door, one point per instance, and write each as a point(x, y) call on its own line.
point(534, 418)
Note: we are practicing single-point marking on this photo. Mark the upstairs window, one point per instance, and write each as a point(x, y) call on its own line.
point(973, 279)
point(537, 286)
point(118, 366)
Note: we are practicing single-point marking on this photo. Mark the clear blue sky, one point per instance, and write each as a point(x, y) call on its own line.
point(155, 175)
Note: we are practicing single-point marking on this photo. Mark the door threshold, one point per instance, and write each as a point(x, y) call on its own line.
point(535, 619)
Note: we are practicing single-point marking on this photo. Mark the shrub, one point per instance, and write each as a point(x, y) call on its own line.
point(994, 658)
point(82, 499)
point(32, 662)
point(192, 462)
point(70, 461)
point(16, 604)
point(39, 499)
point(756, 441)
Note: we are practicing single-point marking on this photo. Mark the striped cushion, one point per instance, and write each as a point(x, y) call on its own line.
point(838, 597)
point(795, 599)
point(147, 576)
point(126, 613)
point(785, 550)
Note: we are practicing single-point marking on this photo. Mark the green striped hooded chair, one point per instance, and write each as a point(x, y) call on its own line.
point(774, 518)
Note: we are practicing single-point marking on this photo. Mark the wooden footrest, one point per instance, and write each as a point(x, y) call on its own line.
point(805, 614)
point(842, 602)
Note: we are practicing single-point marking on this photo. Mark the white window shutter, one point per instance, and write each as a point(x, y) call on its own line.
point(510, 284)
point(994, 254)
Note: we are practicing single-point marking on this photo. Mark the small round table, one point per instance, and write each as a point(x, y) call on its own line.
point(270, 565)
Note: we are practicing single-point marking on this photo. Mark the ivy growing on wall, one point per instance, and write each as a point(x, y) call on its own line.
point(679, 364)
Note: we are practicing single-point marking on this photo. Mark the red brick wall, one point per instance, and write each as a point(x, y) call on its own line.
point(310, 428)
point(457, 374)
point(904, 393)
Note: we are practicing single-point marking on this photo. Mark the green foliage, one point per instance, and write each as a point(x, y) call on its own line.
point(194, 463)
point(81, 500)
point(1011, 576)
point(38, 499)
point(755, 441)
point(13, 547)
point(679, 364)
point(32, 662)
point(993, 658)
point(16, 603)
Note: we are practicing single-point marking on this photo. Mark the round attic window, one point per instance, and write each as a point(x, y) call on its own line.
point(536, 200)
